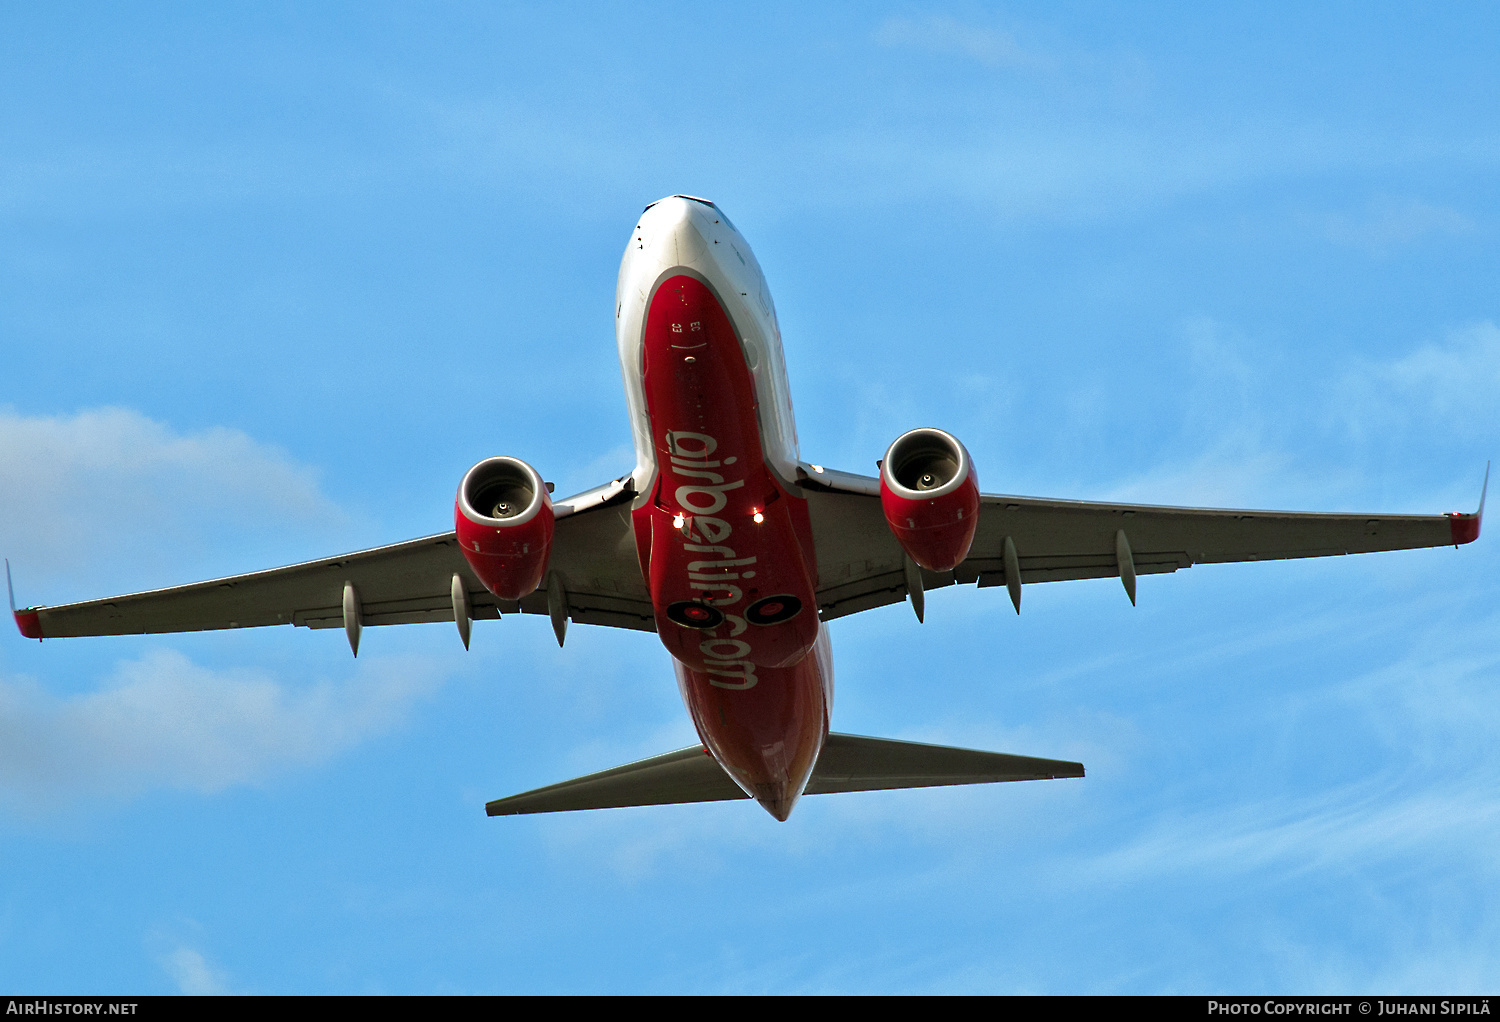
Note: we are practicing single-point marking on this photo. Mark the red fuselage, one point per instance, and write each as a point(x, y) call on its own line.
point(727, 550)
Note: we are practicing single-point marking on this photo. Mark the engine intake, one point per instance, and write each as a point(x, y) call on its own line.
point(503, 518)
point(930, 496)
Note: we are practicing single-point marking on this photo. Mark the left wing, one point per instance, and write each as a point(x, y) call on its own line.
point(860, 564)
point(594, 577)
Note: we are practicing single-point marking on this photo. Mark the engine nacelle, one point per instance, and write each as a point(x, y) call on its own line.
point(930, 496)
point(503, 517)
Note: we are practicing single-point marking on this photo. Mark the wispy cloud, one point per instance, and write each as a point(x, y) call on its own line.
point(1459, 376)
point(1388, 222)
point(946, 36)
point(1356, 823)
point(1454, 381)
point(611, 465)
point(162, 721)
point(1235, 439)
point(193, 973)
point(1428, 713)
point(175, 945)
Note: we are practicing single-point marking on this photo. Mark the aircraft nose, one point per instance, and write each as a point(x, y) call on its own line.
point(671, 227)
point(679, 204)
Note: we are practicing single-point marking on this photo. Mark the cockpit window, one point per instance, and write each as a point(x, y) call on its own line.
point(712, 206)
point(705, 202)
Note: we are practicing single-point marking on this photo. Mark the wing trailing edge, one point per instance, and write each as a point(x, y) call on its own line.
point(847, 763)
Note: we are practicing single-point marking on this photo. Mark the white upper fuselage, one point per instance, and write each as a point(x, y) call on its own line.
point(677, 234)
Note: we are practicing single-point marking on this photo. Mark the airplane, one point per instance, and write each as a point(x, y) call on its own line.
point(736, 552)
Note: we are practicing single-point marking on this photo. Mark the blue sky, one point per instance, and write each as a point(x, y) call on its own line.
point(273, 276)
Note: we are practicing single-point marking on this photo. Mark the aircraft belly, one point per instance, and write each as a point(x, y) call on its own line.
point(727, 551)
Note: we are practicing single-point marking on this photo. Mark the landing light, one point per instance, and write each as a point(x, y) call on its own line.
point(759, 518)
point(677, 522)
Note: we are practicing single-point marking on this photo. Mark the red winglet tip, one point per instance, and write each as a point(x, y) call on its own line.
point(30, 623)
point(1465, 528)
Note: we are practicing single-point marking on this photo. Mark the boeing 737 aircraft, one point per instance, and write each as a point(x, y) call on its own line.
point(734, 551)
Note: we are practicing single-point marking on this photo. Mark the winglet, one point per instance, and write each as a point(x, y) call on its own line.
point(27, 620)
point(1466, 527)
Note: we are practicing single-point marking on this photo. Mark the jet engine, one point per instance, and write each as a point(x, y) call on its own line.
point(503, 517)
point(930, 496)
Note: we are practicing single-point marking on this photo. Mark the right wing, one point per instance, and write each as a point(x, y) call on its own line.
point(593, 565)
point(860, 564)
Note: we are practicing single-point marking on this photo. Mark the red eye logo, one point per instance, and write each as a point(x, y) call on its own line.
point(691, 614)
point(772, 610)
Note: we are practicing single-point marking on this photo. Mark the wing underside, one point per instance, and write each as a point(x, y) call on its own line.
point(594, 568)
point(594, 574)
point(860, 564)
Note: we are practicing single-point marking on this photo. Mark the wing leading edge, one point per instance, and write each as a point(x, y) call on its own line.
point(860, 564)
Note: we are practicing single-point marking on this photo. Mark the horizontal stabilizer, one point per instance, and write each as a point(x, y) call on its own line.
point(687, 775)
point(848, 763)
point(856, 763)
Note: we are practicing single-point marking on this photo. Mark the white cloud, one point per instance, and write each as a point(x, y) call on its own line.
point(80, 493)
point(108, 498)
point(163, 721)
